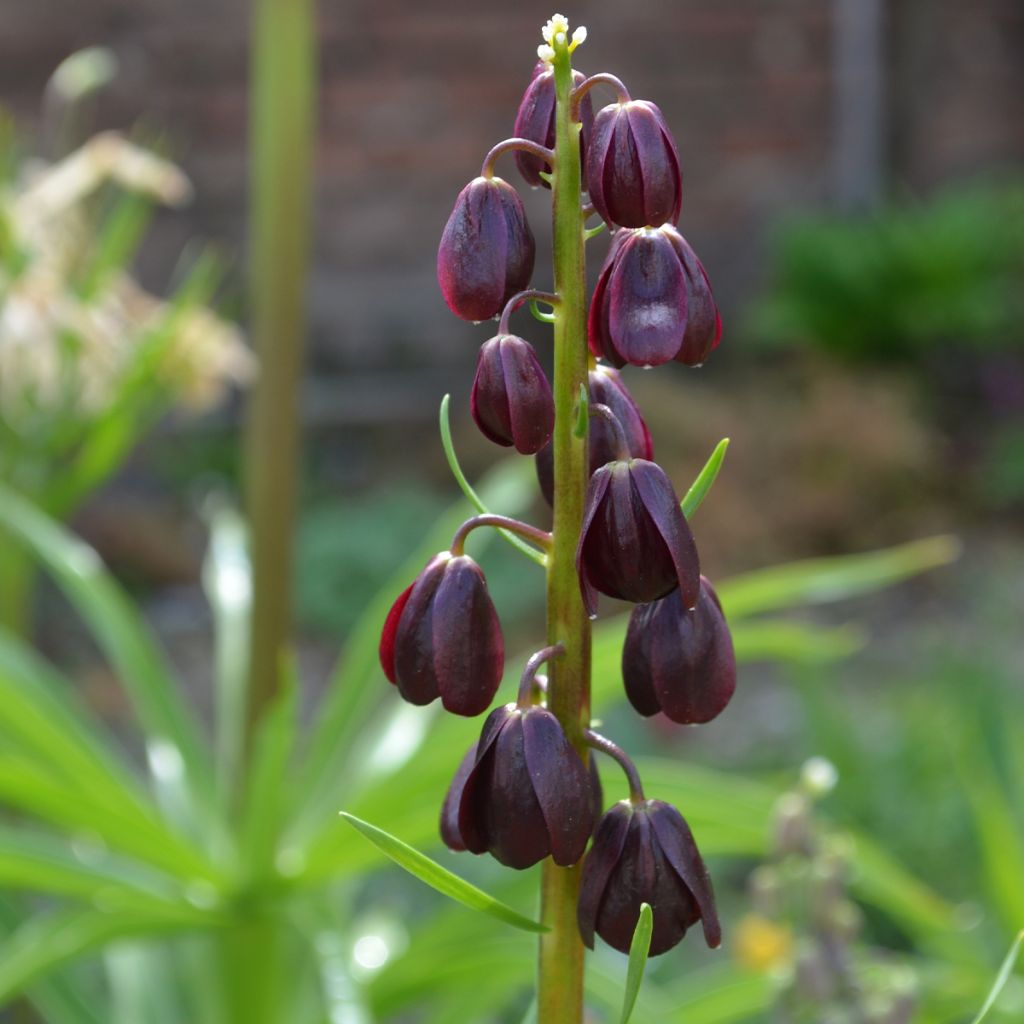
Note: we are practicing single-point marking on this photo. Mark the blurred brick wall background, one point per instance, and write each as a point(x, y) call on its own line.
point(413, 95)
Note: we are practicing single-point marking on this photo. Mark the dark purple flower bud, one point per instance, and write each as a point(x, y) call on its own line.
point(529, 795)
point(633, 167)
point(606, 388)
point(487, 249)
point(442, 638)
point(635, 543)
point(511, 400)
point(645, 853)
point(536, 122)
point(679, 661)
point(653, 302)
point(450, 833)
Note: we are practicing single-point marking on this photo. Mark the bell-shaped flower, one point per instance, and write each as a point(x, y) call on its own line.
point(536, 121)
point(635, 544)
point(606, 388)
point(487, 250)
point(529, 794)
point(511, 400)
point(633, 167)
point(442, 638)
point(645, 853)
point(679, 661)
point(450, 834)
point(653, 302)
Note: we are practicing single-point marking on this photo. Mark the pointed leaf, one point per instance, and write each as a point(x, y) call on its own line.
point(1001, 978)
point(439, 878)
point(705, 478)
point(638, 950)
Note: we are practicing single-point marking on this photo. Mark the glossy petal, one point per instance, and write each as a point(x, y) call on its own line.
point(536, 121)
point(646, 301)
point(511, 401)
point(446, 639)
point(450, 833)
point(487, 250)
point(635, 544)
point(609, 838)
point(387, 636)
point(662, 506)
point(703, 324)
point(644, 854)
point(680, 849)
point(633, 167)
point(562, 784)
point(679, 661)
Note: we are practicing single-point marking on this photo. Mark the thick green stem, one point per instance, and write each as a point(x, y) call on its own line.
point(560, 974)
point(281, 126)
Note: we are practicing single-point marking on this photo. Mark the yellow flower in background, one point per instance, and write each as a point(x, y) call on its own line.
point(760, 944)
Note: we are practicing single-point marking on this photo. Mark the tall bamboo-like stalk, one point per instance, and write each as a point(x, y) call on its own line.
point(281, 146)
point(560, 969)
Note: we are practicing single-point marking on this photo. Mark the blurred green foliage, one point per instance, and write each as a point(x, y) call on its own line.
point(910, 279)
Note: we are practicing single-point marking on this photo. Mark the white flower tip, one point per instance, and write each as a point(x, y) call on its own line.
point(556, 23)
point(818, 776)
point(545, 53)
point(579, 36)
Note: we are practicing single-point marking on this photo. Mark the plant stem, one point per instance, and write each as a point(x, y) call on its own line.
point(281, 127)
point(560, 970)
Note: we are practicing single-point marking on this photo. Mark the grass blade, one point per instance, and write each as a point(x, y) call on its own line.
point(638, 950)
point(822, 580)
point(705, 478)
point(1001, 978)
point(444, 881)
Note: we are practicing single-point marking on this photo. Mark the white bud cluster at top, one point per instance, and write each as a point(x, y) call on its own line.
point(555, 34)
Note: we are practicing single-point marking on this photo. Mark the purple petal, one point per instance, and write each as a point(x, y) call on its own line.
point(561, 783)
point(599, 865)
point(471, 817)
point(595, 496)
point(450, 834)
point(413, 648)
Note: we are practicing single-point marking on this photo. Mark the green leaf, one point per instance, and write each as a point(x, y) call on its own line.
point(467, 488)
point(639, 948)
point(823, 580)
point(439, 878)
point(46, 941)
point(705, 478)
point(1001, 978)
point(794, 642)
point(124, 638)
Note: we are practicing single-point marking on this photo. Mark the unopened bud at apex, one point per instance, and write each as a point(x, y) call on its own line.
point(529, 795)
point(645, 853)
point(606, 388)
point(679, 661)
point(635, 544)
point(487, 250)
point(442, 638)
point(536, 122)
point(653, 302)
point(633, 167)
point(511, 400)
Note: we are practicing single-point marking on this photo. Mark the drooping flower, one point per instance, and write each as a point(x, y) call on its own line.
point(529, 795)
point(606, 388)
point(450, 834)
point(487, 250)
point(645, 853)
point(679, 661)
point(633, 167)
point(635, 544)
point(653, 302)
point(536, 121)
point(511, 400)
point(442, 638)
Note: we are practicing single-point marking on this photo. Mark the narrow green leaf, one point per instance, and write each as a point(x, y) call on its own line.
point(1001, 978)
point(638, 950)
point(439, 878)
point(794, 642)
point(46, 941)
point(123, 636)
point(467, 488)
point(705, 478)
point(823, 580)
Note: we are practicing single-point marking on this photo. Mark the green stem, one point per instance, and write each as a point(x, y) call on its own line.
point(281, 127)
point(560, 971)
